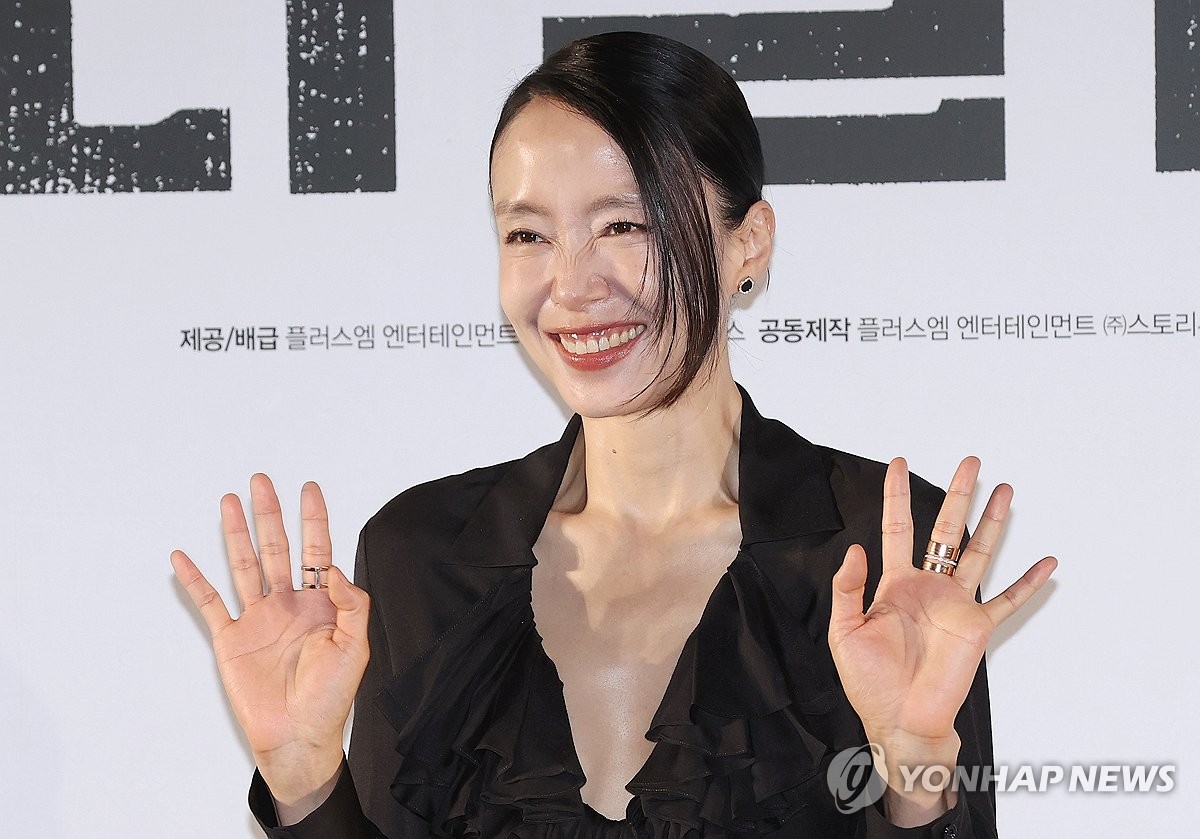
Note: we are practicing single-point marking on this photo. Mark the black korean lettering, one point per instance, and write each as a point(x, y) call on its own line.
point(341, 95)
point(964, 140)
point(45, 150)
point(1177, 84)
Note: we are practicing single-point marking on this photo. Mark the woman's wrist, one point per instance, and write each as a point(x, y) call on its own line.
point(919, 772)
point(918, 807)
point(299, 784)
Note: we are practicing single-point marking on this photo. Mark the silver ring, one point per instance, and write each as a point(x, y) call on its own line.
point(938, 567)
point(942, 552)
point(314, 576)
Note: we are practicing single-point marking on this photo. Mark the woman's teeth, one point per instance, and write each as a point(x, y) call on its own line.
point(592, 344)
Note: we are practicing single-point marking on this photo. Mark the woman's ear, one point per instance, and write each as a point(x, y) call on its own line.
point(755, 238)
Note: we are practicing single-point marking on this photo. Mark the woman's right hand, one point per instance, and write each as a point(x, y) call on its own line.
point(292, 661)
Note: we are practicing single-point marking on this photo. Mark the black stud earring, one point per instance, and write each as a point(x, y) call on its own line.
point(746, 286)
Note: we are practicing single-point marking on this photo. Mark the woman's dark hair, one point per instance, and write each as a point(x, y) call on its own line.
point(680, 120)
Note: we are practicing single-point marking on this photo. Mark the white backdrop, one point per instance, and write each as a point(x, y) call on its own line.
point(117, 441)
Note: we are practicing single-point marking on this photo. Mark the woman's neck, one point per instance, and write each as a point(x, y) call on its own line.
point(649, 471)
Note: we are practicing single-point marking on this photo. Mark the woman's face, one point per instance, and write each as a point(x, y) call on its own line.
point(573, 251)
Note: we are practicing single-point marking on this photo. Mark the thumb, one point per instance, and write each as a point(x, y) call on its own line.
point(849, 587)
point(353, 609)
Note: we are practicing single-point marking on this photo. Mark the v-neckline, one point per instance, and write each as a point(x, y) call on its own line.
point(658, 707)
point(566, 721)
point(725, 681)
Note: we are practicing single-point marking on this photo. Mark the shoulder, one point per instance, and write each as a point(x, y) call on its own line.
point(433, 542)
point(792, 479)
point(483, 518)
point(855, 477)
point(434, 513)
point(467, 512)
point(407, 561)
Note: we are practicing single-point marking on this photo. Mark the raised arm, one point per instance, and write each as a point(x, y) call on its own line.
point(910, 661)
point(293, 659)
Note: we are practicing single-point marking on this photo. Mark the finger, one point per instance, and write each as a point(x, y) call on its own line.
point(203, 595)
point(849, 588)
point(353, 610)
point(977, 556)
point(897, 518)
point(317, 548)
point(272, 538)
point(952, 517)
point(1003, 605)
point(239, 547)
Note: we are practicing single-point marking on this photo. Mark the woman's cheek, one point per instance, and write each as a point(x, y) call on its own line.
point(522, 302)
point(634, 262)
point(516, 290)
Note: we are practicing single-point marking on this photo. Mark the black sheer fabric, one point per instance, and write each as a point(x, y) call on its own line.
point(461, 729)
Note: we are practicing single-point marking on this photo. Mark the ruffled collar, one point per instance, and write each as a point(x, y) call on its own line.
point(750, 715)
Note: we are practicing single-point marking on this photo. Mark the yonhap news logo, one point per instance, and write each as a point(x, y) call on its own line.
point(857, 778)
point(854, 779)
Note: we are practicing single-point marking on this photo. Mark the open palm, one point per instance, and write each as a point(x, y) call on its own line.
point(292, 661)
point(908, 662)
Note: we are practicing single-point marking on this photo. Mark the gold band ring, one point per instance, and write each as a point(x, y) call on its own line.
point(940, 558)
point(942, 552)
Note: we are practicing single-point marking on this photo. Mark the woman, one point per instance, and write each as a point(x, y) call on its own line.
point(626, 178)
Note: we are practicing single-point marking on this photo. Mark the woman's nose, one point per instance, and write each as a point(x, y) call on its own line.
point(577, 281)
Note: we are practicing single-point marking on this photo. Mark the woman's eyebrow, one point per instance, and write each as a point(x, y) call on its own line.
point(519, 208)
point(616, 201)
point(622, 201)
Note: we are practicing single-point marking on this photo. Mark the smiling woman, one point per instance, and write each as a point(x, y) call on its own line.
point(573, 243)
point(659, 138)
point(673, 621)
point(581, 276)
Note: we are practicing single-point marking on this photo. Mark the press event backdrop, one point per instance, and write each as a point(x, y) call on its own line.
point(255, 236)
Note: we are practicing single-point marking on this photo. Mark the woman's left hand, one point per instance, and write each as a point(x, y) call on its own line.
point(908, 662)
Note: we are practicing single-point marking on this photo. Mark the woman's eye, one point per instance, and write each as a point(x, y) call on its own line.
point(522, 237)
point(623, 228)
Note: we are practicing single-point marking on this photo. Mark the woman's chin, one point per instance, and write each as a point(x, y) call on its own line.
point(599, 396)
point(605, 383)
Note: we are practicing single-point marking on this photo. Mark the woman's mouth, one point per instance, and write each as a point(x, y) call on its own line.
point(597, 349)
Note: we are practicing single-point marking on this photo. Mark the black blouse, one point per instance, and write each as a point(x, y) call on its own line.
point(460, 727)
